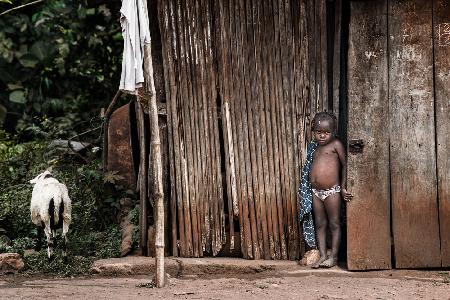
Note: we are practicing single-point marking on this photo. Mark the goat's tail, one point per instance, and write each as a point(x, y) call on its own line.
point(57, 200)
point(67, 213)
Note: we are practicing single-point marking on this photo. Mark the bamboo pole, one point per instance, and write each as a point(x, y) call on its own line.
point(155, 159)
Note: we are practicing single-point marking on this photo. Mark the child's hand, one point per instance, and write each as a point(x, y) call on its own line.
point(346, 195)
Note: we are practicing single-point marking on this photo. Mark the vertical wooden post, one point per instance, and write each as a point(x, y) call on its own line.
point(155, 164)
point(441, 21)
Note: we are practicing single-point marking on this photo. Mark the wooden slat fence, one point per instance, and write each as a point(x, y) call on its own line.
point(237, 76)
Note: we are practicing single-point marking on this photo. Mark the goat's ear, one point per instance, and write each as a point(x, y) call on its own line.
point(33, 181)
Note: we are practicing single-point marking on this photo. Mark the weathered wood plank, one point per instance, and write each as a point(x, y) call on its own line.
point(275, 99)
point(337, 56)
point(222, 53)
point(253, 100)
point(173, 109)
point(312, 40)
point(368, 214)
point(413, 149)
point(271, 128)
point(168, 76)
point(217, 173)
point(233, 88)
point(283, 125)
point(290, 117)
point(318, 30)
point(186, 145)
point(441, 25)
point(191, 57)
point(261, 131)
point(323, 56)
point(247, 133)
point(187, 104)
point(305, 94)
point(300, 104)
point(203, 169)
point(207, 158)
point(247, 242)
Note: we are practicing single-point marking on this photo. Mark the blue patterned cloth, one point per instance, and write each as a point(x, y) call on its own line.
point(305, 198)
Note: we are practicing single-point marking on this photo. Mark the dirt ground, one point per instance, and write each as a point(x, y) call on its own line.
point(366, 285)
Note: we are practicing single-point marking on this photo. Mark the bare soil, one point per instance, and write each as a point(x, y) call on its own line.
point(303, 285)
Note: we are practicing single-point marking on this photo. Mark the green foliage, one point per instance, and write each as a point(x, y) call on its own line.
point(71, 266)
point(60, 59)
point(98, 244)
point(18, 245)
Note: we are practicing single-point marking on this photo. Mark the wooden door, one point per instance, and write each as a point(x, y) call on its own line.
point(415, 220)
point(399, 86)
point(368, 215)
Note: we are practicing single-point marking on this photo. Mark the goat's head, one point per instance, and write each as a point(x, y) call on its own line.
point(41, 176)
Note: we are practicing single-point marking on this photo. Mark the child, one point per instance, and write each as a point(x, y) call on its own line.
point(328, 178)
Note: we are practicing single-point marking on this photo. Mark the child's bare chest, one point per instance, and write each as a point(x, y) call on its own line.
point(325, 153)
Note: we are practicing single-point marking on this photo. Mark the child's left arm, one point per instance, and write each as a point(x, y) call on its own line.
point(341, 154)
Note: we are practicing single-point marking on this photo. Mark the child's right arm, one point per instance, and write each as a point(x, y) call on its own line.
point(342, 158)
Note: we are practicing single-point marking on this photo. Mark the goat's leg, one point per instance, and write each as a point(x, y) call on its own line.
point(48, 234)
point(64, 238)
point(40, 233)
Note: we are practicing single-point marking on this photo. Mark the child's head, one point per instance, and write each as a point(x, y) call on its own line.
point(324, 126)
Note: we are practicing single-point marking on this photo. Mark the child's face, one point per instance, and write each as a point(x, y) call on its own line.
point(323, 132)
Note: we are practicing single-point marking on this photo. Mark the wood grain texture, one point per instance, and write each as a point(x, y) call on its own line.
point(368, 214)
point(441, 26)
point(162, 16)
point(244, 56)
point(337, 56)
point(412, 135)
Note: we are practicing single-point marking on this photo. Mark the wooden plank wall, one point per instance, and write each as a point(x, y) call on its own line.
point(237, 82)
point(368, 215)
point(415, 219)
point(262, 54)
point(194, 146)
point(441, 26)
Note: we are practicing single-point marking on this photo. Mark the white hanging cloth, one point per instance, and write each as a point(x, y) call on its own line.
point(135, 32)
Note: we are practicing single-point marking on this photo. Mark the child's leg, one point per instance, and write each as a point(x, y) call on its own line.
point(333, 210)
point(320, 222)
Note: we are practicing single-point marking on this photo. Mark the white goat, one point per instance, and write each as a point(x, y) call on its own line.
point(50, 208)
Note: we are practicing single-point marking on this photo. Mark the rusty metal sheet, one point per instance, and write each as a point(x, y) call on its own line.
point(415, 219)
point(368, 214)
point(442, 87)
point(120, 153)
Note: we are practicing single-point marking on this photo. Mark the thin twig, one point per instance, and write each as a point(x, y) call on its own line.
point(20, 6)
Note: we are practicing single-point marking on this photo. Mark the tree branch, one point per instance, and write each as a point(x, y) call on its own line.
point(20, 6)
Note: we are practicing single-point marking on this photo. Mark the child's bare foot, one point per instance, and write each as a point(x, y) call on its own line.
point(319, 262)
point(328, 263)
